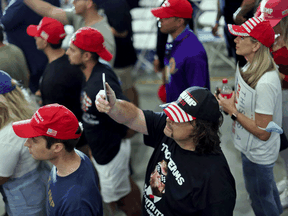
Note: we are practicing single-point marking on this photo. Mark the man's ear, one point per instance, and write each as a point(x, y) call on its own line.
point(86, 56)
point(89, 4)
point(57, 147)
point(180, 21)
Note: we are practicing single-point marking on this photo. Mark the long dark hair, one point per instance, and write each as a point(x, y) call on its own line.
point(206, 135)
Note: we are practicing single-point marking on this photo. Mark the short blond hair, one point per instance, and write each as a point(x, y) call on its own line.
point(14, 106)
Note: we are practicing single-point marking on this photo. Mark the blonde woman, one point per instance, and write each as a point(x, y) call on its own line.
point(22, 178)
point(258, 101)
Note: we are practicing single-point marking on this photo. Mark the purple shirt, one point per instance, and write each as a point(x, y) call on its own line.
point(186, 65)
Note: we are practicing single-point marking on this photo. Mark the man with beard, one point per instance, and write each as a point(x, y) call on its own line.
point(104, 136)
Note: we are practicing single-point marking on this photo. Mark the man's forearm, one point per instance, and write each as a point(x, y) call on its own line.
point(246, 6)
point(128, 114)
point(251, 126)
point(46, 9)
point(40, 7)
point(219, 14)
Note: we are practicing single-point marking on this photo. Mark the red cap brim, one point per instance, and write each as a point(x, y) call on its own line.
point(32, 31)
point(105, 55)
point(237, 30)
point(23, 129)
point(160, 12)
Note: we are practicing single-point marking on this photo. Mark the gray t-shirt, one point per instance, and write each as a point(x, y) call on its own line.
point(77, 22)
point(12, 61)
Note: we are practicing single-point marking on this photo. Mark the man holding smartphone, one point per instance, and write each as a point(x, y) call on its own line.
point(105, 136)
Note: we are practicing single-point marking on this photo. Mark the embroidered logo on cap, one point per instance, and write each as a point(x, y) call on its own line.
point(188, 98)
point(51, 132)
point(38, 117)
point(268, 10)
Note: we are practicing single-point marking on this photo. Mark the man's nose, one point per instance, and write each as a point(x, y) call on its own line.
point(27, 143)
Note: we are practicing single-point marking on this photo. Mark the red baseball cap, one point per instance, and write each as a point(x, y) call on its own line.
point(91, 40)
point(52, 120)
point(275, 10)
point(257, 28)
point(49, 29)
point(174, 8)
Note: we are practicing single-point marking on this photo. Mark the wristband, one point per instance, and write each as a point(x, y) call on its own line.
point(217, 21)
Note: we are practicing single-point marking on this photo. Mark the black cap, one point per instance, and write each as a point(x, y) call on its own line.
point(193, 103)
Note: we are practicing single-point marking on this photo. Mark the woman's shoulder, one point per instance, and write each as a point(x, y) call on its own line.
point(8, 136)
point(270, 78)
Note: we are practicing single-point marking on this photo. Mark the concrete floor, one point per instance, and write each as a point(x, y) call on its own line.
point(147, 85)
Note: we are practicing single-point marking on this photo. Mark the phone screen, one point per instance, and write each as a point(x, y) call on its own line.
point(104, 86)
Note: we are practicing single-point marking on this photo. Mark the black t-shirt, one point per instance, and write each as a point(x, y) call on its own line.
point(181, 182)
point(119, 17)
point(102, 133)
point(61, 83)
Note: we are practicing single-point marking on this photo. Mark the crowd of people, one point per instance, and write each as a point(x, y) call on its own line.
point(69, 152)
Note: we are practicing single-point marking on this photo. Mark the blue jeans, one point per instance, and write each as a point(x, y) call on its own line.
point(261, 186)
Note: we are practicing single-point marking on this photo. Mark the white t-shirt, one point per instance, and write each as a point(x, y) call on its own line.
point(15, 159)
point(268, 101)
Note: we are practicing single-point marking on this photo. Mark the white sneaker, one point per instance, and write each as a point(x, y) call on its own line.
point(284, 198)
point(282, 185)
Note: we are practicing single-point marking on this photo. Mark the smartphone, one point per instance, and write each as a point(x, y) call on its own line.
point(104, 86)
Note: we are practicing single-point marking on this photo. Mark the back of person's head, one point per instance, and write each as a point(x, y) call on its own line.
point(260, 31)
point(49, 29)
point(13, 104)
point(198, 106)
point(89, 39)
point(55, 123)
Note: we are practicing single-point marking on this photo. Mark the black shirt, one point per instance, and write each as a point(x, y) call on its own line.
point(182, 182)
point(61, 83)
point(103, 134)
